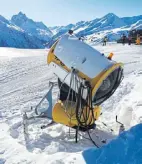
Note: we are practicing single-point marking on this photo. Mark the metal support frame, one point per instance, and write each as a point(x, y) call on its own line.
point(43, 115)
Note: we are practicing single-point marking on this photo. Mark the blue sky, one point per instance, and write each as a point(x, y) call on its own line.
point(63, 12)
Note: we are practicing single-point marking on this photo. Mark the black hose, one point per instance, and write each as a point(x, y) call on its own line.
point(84, 110)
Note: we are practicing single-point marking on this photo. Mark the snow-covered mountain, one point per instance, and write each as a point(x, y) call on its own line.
point(22, 32)
point(13, 36)
point(137, 25)
point(37, 29)
point(57, 29)
point(132, 20)
point(108, 22)
point(110, 25)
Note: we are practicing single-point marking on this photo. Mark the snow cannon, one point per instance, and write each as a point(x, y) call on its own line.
point(86, 78)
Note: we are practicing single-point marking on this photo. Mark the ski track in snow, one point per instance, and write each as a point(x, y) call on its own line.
point(24, 77)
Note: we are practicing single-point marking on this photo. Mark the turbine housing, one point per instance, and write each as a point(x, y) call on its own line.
point(103, 74)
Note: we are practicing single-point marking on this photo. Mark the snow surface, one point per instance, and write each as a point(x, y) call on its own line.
point(24, 77)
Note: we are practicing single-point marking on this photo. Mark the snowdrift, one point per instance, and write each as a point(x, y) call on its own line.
point(127, 148)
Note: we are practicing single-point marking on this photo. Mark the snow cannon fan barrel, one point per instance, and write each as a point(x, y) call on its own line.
point(75, 63)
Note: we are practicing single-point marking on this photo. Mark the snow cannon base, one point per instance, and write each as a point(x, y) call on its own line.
point(67, 116)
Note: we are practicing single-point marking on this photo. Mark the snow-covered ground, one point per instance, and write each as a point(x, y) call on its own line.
point(24, 77)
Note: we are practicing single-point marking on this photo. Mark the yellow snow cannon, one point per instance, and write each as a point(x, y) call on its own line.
point(86, 78)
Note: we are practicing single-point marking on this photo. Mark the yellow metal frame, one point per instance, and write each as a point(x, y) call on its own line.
point(68, 116)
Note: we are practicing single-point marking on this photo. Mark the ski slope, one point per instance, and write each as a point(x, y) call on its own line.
point(24, 77)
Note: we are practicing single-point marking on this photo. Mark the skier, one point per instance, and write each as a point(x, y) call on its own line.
point(123, 39)
point(104, 41)
point(129, 40)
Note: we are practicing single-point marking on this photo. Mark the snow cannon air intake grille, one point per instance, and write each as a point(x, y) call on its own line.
point(108, 86)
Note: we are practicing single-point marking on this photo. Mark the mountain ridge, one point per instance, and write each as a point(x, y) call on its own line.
point(14, 36)
point(109, 25)
point(37, 29)
point(23, 32)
